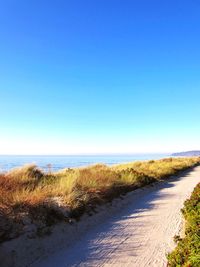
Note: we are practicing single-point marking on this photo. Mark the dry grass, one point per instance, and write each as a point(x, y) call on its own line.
point(29, 187)
point(158, 169)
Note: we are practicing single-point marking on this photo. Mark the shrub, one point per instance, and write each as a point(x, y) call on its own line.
point(187, 252)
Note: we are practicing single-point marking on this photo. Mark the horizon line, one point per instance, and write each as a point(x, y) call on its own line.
point(91, 154)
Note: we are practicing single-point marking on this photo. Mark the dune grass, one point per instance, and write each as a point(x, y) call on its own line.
point(30, 190)
point(187, 252)
point(30, 185)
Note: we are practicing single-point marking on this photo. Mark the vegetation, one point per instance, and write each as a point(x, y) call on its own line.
point(49, 197)
point(187, 252)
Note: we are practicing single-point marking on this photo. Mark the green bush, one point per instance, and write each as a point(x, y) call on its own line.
point(187, 252)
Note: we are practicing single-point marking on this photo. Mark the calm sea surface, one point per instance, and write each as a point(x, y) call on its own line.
point(60, 162)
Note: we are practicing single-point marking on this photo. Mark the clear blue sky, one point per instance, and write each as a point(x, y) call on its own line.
point(99, 76)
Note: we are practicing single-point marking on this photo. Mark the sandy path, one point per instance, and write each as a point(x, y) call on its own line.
point(139, 234)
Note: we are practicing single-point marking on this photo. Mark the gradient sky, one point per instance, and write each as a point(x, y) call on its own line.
point(99, 76)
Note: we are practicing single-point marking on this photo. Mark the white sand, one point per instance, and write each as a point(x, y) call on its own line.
point(136, 231)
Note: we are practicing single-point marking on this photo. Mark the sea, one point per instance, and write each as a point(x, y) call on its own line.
point(58, 162)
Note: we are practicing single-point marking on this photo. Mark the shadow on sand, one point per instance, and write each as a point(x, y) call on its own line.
point(91, 247)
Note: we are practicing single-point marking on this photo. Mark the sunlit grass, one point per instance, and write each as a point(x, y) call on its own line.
point(28, 186)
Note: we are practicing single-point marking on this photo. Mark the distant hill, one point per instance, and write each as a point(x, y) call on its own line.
point(194, 153)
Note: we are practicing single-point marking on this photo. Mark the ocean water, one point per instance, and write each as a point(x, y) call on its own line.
point(60, 162)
